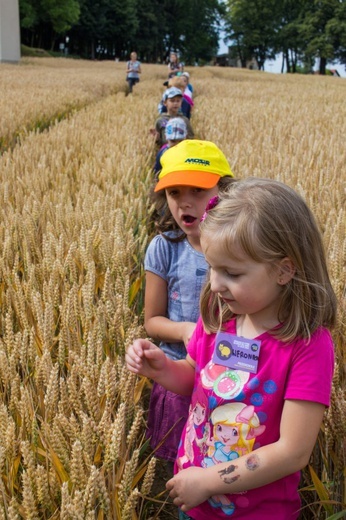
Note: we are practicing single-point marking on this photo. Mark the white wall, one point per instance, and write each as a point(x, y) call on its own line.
point(9, 31)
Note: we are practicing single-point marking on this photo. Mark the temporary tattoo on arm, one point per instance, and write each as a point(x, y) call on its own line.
point(227, 471)
point(252, 463)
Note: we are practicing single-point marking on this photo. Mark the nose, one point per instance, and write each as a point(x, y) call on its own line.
point(216, 282)
point(185, 201)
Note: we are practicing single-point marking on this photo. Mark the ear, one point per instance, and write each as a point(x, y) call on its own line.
point(286, 271)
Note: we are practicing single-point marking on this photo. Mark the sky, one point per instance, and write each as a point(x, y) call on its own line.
point(274, 66)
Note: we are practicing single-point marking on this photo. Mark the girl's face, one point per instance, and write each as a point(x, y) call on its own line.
point(187, 205)
point(185, 80)
point(247, 287)
point(173, 105)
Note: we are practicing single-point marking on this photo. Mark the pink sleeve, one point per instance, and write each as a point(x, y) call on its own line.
point(310, 377)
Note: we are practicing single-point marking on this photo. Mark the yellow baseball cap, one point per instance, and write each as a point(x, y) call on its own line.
point(193, 163)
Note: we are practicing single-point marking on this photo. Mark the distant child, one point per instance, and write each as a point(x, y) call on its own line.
point(133, 70)
point(187, 75)
point(174, 66)
point(175, 131)
point(172, 99)
point(192, 172)
point(260, 362)
point(181, 83)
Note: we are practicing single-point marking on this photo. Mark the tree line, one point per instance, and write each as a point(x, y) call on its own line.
point(99, 29)
point(302, 30)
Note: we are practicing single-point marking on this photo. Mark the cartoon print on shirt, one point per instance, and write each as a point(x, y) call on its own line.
point(196, 419)
point(235, 427)
point(225, 382)
point(232, 429)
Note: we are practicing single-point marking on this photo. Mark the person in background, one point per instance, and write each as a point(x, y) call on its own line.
point(133, 70)
point(187, 75)
point(181, 82)
point(172, 100)
point(175, 272)
point(187, 102)
point(174, 66)
point(175, 131)
point(259, 365)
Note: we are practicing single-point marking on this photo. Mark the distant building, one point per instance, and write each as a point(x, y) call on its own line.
point(225, 60)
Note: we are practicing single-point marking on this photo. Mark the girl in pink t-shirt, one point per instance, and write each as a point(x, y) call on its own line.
point(260, 362)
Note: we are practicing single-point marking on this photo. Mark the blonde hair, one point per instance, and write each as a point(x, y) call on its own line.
point(178, 82)
point(269, 221)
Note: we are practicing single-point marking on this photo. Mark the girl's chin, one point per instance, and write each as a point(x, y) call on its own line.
point(190, 231)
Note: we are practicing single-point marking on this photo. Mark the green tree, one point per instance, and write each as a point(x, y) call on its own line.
point(108, 28)
point(121, 26)
point(252, 27)
point(29, 15)
point(30, 18)
point(321, 31)
point(148, 39)
point(104, 29)
point(200, 28)
point(62, 14)
point(43, 20)
point(288, 38)
point(336, 30)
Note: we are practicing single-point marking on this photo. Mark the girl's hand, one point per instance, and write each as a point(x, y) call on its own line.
point(188, 488)
point(154, 132)
point(145, 358)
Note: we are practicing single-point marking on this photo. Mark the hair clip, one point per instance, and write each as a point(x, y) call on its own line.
point(211, 205)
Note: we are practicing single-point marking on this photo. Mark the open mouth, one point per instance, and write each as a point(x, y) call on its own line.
point(188, 219)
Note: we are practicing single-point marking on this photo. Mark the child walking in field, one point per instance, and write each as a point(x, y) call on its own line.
point(174, 66)
point(175, 132)
point(192, 172)
point(172, 100)
point(259, 365)
point(133, 70)
point(182, 83)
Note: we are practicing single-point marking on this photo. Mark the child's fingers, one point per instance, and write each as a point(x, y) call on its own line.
point(138, 350)
point(133, 362)
point(134, 355)
point(169, 484)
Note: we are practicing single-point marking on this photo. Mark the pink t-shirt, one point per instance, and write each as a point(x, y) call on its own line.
point(234, 412)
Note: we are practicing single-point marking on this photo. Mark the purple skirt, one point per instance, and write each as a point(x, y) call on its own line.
point(167, 411)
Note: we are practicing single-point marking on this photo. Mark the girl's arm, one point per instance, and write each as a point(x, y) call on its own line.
point(146, 359)
point(157, 325)
point(299, 427)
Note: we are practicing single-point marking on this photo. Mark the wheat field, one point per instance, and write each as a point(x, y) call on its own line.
point(75, 167)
